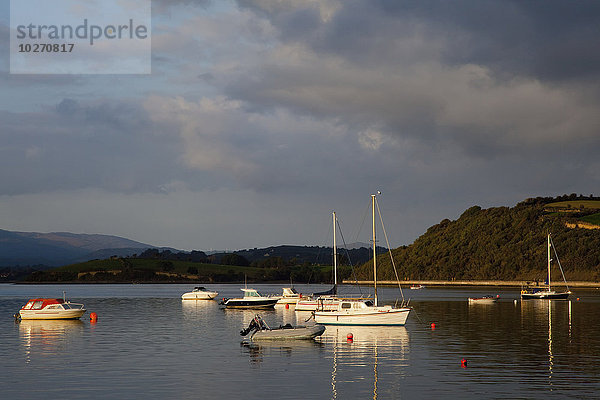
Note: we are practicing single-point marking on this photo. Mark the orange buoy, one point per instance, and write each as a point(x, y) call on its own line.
point(463, 363)
point(433, 326)
point(93, 317)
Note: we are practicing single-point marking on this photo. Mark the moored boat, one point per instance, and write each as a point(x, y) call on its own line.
point(328, 299)
point(417, 287)
point(51, 309)
point(289, 296)
point(365, 311)
point(483, 300)
point(547, 292)
point(362, 312)
point(251, 299)
point(199, 293)
point(261, 331)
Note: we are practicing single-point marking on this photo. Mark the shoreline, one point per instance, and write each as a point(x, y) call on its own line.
point(518, 284)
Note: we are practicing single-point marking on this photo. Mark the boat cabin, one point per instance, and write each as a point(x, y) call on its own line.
point(251, 293)
point(290, 292)
point(347, 305)
point(38, 304)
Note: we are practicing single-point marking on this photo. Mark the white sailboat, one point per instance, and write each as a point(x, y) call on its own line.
point(329, 299)
point(548, 293)
point(364, 311)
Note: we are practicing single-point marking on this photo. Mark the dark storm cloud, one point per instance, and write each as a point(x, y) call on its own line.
point(550, 40)
point(491, 77)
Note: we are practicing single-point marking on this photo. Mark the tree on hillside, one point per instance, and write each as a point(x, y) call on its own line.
point(494, 244)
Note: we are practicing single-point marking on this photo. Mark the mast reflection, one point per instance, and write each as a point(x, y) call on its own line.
point(367, 345)
point(552, 314)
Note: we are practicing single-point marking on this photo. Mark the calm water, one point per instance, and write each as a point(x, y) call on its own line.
point(148, 343)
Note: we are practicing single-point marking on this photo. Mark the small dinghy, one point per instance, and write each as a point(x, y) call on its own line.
point(261, 331)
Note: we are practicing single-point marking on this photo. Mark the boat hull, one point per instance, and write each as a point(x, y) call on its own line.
point(199, 295)
point(298, 333)
point(288, 300)
point(545, 295)
point(250, 304)
point(482, 300)
point(373, 317)
point(51, 314)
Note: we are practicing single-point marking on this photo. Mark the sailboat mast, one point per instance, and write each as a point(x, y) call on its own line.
point(374, 251)
point(549, 261)
point(334, 255)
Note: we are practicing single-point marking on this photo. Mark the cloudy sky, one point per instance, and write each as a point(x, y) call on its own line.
point(260, 117)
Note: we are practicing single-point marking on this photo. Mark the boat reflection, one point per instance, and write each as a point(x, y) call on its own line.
point(194, 308)
point(356, 347)
point(259, 350)
point(47, 336)
point(554, 314)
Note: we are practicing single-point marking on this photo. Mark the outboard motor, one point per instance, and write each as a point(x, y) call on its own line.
point(252, 327)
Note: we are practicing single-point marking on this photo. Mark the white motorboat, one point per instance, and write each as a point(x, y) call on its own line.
point(289, 296)
point(261, 331)
point(483, 300)
point(417, 287)
point(51, 309)
point(199, 293)
point(364, 311)
point(251, 299)
point(547, 293)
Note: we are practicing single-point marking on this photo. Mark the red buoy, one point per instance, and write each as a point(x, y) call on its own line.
point(350, 336)
point(93, 317)
point(287, 306)
point(432, 326)
point(463, 363)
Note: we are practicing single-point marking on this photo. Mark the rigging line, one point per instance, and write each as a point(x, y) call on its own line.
point(559, 265)
point(317, 262)
point(389, 248)
point(367, 209)
point(337, 221)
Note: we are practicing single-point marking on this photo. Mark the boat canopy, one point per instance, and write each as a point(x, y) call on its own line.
point(38, 304)
point(250, 293)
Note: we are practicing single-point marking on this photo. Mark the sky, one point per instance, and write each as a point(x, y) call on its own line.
point(261, 117)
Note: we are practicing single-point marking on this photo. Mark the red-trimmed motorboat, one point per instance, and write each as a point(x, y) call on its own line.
point(51, 309)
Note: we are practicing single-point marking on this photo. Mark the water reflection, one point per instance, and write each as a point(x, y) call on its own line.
point(47, 337)
point(357, 347)
point(549, 313)
point(193, 308)
point(257, 351)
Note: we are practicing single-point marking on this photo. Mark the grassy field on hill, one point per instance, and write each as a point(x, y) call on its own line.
point(575, 204)
point(591, 219)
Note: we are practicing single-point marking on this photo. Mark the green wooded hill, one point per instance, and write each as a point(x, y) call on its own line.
point(501, 243)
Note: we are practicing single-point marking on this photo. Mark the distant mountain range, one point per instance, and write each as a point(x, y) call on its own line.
point(60, 248)
point(22, 249)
